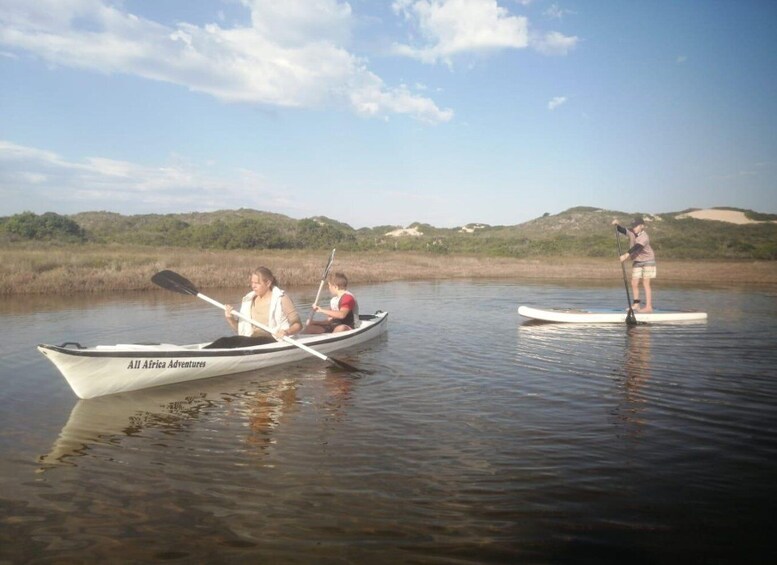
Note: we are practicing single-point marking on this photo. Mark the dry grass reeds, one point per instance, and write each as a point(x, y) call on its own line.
point(63, 270)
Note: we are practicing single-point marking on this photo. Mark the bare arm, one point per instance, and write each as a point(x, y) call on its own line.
point(620, 228)
point(231, 320)
point(289, 310)
point(334, 314)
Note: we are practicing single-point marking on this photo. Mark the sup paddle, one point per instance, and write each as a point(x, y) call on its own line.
point(321, 286)
point(170, 280)
point(631, 319)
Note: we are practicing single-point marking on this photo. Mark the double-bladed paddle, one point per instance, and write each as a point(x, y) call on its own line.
point(170, 280)
point(631, 319)
point(321, 286)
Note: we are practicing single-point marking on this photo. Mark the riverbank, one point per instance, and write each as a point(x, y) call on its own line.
point(62, 270)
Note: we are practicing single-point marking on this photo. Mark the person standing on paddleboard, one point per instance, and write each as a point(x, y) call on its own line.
point(643, 262)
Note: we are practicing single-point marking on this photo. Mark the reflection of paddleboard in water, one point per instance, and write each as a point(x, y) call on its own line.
point(603, 315)
point(109, 419)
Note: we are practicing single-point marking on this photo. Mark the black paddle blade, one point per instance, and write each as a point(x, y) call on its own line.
point(328, 265)
point(170, 280)
point(345, 366)
point(631, 318)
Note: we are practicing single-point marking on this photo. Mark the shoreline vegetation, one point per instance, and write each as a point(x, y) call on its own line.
point(106, 268)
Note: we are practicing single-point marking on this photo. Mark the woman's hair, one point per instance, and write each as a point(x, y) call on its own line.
point(266, 275)
point(339, 280)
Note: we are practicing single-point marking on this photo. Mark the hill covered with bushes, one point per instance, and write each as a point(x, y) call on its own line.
point(581, 231)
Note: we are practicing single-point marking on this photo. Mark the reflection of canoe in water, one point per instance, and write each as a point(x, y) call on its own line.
point(172, 409)
point(600, 316)
point(108, 369)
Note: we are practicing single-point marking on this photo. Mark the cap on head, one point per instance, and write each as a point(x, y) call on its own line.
point(638, 221)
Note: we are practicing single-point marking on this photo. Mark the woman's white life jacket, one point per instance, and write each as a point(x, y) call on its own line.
point(277, 321)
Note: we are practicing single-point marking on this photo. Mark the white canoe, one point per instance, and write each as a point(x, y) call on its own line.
point(108, 369)
point(600, 316)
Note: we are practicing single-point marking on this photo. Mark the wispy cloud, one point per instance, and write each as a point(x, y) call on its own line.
point(292, 54)
point(32, 175)
point(556, 12)
point(749, 170)
point(554, 43)
point(447, 28)
point(556, 101)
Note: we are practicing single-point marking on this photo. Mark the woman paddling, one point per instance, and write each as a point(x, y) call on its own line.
point(267, 304)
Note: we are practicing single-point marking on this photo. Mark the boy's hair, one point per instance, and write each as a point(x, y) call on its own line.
point(339, 280)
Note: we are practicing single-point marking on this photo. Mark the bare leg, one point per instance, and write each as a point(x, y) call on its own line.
point(635, 292)
point(317, 327)
point(648, 296)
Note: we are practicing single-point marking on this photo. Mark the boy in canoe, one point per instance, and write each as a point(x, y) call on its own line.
point(343, 312)
point(643, 265)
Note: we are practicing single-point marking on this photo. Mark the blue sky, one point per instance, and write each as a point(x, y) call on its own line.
point(440, 111)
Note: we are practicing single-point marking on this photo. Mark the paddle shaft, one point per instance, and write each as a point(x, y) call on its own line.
point(260, 325)
point(321, 286)
point(318, 295)
point(630, 317)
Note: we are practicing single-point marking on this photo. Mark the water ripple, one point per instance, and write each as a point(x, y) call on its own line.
point(471, 437)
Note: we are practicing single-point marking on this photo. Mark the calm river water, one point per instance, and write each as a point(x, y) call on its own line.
point(473, 438)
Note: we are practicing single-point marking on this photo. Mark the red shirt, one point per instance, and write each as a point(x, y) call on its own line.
point(347, 301)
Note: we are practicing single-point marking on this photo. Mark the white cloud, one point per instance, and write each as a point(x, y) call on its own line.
point(451, 27)
point(556, 101)
point(681, 59)
point(554, 43)
point(448, 28)
point(291, 54)
point(295, 22)
point(35, 177)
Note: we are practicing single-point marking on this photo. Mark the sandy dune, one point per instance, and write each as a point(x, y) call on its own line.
point(731, 216)
point(413, 232)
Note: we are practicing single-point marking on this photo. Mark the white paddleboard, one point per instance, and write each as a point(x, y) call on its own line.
point(603, 315)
